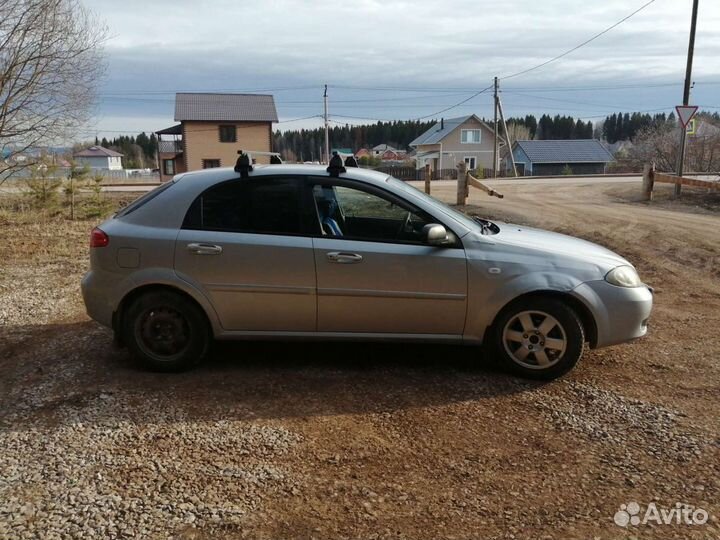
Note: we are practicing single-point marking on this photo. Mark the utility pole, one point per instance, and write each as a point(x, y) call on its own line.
point(507, 137)
point(327, 128)
point(686, 93)
point(495, 143)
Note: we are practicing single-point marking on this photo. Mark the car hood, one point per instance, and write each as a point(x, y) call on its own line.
point(560, 245)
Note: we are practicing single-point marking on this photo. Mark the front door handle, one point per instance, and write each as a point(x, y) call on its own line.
point(204, 249)
point(342, 257)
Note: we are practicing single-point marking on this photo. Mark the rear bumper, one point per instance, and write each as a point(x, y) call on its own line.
point(621, 314)
point(96, 294)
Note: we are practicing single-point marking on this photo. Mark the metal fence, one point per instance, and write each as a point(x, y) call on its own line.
point(123, 176)
point(411, 173)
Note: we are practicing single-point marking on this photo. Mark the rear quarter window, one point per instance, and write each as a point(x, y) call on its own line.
point(144, 199)
point(267, 205)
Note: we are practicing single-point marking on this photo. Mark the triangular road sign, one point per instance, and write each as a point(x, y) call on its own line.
point(685, 113)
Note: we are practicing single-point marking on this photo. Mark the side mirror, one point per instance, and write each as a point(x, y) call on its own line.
point(435, 235)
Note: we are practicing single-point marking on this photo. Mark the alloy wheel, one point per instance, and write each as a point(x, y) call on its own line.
point(534, 339)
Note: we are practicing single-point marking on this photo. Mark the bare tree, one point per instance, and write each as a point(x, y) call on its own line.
point(518, 132)
point(51, 63)
point(660, 145)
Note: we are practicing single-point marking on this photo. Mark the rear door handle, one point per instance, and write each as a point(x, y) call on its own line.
point(204, 249)
point(342, 257)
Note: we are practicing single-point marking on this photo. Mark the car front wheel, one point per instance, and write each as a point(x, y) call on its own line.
point(166, 331)
point(539, 338)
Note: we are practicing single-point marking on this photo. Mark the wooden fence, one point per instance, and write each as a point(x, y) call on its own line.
point(651, 176)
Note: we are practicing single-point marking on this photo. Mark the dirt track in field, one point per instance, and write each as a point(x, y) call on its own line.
point(367, 441)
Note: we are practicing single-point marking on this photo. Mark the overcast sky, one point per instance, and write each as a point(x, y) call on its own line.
point(400, 60)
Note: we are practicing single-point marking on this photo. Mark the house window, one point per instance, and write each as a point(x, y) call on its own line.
point(228, 134)
point(169, 166)
point(210, 163)
point(470, 136)
point(470, 162)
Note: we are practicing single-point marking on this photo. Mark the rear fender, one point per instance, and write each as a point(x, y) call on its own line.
point(165, 277)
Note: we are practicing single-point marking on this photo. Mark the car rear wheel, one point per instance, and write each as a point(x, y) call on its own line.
point(539, 338)
point(166, 331)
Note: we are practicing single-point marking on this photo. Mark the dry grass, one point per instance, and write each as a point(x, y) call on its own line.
point(43, 256)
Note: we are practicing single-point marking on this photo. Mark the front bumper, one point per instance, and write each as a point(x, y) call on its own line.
point(621, 313)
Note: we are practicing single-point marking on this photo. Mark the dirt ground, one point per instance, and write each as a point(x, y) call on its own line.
point(366, 441)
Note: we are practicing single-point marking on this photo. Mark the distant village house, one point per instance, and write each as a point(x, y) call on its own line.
point(451, 141)
point(99, 158)
point(212, 128)
point(555, 157)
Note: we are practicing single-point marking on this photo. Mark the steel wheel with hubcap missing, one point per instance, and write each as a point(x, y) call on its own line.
point(166, 331)
point(539, 337)
point(163, 331)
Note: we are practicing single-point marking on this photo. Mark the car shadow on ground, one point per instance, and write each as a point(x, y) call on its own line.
point(73, 364)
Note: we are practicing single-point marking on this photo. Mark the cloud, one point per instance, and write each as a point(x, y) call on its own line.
point(169, 45)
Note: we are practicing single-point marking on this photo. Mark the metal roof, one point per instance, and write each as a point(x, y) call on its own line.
point(172, 130)
point(97, 151)
point(225, 107)
point(434, 135)
point(566, 151)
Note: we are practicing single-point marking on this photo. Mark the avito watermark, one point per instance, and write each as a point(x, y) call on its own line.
point(631, 514)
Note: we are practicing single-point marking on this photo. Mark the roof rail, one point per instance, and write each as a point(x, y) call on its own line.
point(336, 165)
point(243, 165)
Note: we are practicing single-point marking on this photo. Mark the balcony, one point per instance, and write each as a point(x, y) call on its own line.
point(170, 147)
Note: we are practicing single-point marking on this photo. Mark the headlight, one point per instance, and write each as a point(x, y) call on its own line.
point(623, 276)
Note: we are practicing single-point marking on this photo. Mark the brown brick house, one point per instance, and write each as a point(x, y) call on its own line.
point(212, 128)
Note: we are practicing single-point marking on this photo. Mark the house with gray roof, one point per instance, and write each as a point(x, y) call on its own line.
point(99, 158)
point(556, 157)
point(454, 140)
point(212, 128)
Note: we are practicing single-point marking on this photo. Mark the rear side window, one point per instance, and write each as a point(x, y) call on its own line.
point(259, 205)
point(140, 201)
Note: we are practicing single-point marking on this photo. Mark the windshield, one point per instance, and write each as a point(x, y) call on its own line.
point(440, 206)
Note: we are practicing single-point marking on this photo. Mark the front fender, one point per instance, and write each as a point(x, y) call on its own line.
point(490, 293)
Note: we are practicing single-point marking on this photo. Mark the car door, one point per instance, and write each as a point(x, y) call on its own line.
point(374, 273)
point(245, 244)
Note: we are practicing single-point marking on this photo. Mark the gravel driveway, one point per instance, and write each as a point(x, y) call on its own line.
point(272, 440)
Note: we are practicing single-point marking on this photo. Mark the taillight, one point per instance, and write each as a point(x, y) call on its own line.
point(98, 238)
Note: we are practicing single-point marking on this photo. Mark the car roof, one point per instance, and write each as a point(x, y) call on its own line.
point(168, 210)
point(223, 173)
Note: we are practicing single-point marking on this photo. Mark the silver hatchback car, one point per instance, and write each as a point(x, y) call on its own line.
point(305, 252)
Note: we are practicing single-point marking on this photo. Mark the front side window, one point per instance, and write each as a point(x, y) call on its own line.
point(347, 212)
point(470, 136)
point(228, 134)
point(210, 163)
point(264, 205)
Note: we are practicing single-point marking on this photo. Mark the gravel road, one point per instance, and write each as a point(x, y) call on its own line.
point(272, 440)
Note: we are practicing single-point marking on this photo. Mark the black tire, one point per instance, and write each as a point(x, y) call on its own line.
point(541, 361)
point(165, 331)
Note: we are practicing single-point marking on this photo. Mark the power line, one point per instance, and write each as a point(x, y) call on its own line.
point(453, 106)
point(207, 91)
point(563, 100)
point(101, 130)
point(593, 38)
